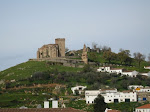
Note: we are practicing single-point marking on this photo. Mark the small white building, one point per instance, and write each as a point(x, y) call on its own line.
point(146, 89)
point(90, 95)
point(130, 73)
point(116, 70)
point(146, 67)
point(144, 108)
point(135, 86)
point(46, 104)
point(79, 88)
point(110, 97)
point(145, 74)
point(104, 69)
point(54, 104)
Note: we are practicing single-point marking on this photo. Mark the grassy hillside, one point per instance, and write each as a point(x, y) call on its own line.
point(25, 70)
point(25, 91)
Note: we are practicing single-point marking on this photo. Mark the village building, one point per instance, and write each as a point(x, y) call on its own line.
point(90, 96)
point(135, 86)
point(130, 73)
point(80, 89)
point(146, 89)
point(144, 108)
point(145, 74)
point(146, 67)
point(104, 69)
point(116, 70)
point(110, 96)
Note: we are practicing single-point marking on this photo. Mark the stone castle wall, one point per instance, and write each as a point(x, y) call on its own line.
point(52, 50)
point(61, 43)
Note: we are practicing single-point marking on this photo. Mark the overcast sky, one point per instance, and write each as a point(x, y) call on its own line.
point(25, 25)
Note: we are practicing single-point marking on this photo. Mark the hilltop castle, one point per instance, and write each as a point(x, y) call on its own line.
point(52, 50)
point(55, 54)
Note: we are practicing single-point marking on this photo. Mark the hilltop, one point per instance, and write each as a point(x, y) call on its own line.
point(32, 82)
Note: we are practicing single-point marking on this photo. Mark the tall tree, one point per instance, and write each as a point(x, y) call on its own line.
point(124, 56)
point(106, 48)
point(109, 56)
point(99, 104)
point(139, 57)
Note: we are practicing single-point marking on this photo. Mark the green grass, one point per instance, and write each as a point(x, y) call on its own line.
point(80, 104)
point(25, 70)
point(14, 100)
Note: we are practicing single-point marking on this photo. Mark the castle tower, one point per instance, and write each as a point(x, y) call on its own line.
point(61, 44)
point(84, 55)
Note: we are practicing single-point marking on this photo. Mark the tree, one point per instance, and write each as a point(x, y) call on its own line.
point(86, 68)
point(94, 45)
point(99, 104)
point(139, 58)
point(106, 48)
point(109, 56)
point(77, 92)
point(124, 56)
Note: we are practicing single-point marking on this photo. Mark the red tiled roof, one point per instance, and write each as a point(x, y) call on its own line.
point(41, 110)
point(144, 106)
point(113, 111)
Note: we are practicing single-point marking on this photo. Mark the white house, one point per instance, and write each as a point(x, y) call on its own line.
point(130, 73)
point(116, 70)
point(104, 69)
point(146, 89)
point(135, 86)
point(79, 88)
point(146, 67)
point(110, 70)
point(111, 97)
point(120, 97)
point(145, 74)
point(144, 108)
point(90, 96)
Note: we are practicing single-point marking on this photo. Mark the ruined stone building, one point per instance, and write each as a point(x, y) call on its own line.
point(84, 55)
point(52, 50)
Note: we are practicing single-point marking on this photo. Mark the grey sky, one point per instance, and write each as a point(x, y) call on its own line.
point(25, 25)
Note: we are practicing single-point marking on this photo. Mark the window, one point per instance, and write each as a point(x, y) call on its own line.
point(88, 102)
point(109, 100)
